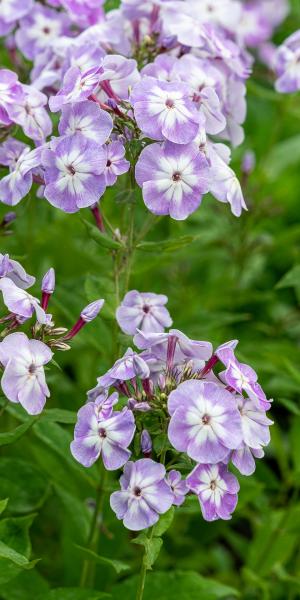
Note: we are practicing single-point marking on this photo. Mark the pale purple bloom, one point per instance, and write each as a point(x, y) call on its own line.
point(210, 108)
point(23, 379)
point(146, 443)
point(16, 185)
point(180, 346)
point(74, 173)
point(224, 185)
point(120, 73)
point(173, 178)
point(29, 112)
point(254, 28)
point(225, 352)
point(13, 270)
point(116, 163)
point(95, 435)
point(10, 152)
point(164, 68)
point(144, 311)
point(39, 29)
point(87, 118)
point(10, 92)
point(76, 87)
point(84, 12)
point(20, 302)
point(129, 366)
point(84, 55)
point(235, 109)
point(216, 489)
point(144, 495)
point(256, 435)
point(164, 110)
point(287, 65)
point(178, 486)
point(241, 377)
point(12, 11)
point(205, 421)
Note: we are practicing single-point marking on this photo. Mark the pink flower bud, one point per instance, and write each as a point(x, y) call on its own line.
point(48, 286)
point(90, 312)
point(146, 443)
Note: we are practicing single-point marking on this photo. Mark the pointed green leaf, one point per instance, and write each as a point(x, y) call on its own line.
point(101, 238)
point(117, 565)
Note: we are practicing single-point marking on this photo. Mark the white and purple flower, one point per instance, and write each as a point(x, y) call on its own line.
point(144, 311)
point(216, 489)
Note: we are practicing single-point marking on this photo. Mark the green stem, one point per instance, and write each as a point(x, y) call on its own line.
point(143, 573)
point(87, 574)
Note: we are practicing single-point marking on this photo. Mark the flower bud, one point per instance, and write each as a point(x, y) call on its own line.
point(248, 162)
point(146, 443)
point(8, 218)
point(48, 286)
point(90, 312)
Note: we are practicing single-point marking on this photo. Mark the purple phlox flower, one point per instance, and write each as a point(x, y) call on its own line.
point(219, 46)
point(164, 110)
point(146, 443)
point(10, 91)
point(173, 178)
point(39, 29)
point(241, 377)
point(84, 12)
point(76, 87)
point(128, 367)
point(47, 70)
point(205, 421)
point(23, 379)
point(225, 352)
point(274, 11)
point(95, 435)
point(178, 486)
point(224, 185)
point(13, 270)
point(156, 365)
point(10, 152)
point(83, 55)
point(116, 163)
point(254, 28)
point(86, 118)
point(20, 302)
point(12, 11)
point(144, 311)
point(30, 113)
point(144, 494)
point(104, 404)
point(287, 65)
point(256, 435)
point(15, 185)
point(216, 489)
point(74, 173)
point(173, 347)
point(120, 74)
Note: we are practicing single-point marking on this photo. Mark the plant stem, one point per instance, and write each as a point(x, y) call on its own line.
point(87, 573)
point(143, 573)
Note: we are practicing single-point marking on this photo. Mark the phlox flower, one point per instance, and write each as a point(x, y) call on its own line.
point(144, 494)
point(216, 489)
point(163, 110)
point(241, 377)
point(178, 486)
point(116, 163)
point(86, 118)
point(287, 65)
point(39, 28)
point(73, 173)
point(205, 421)
point(13, 270)
point(173, 346)
point(15, 185)
point(23, 379)
point(103, 433)
point(10, 91)
point(12, 11)
point(144, 311)
point(30, 114)
point(20, 302)
point(129, 366)
point(76, 87)
point(173, 178)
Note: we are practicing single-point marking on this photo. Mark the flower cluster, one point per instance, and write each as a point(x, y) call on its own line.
point(23, 357)
point(162, 82)
point(178, 401)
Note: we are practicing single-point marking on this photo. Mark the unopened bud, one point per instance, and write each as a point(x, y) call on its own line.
point(90, 312)
point(59, 331)
point(248, 162)
point(8, 218)
point(59, 345)
point(48, 286)
point(146, 443)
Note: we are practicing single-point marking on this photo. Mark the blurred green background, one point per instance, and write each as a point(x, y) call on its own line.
point(239, 278)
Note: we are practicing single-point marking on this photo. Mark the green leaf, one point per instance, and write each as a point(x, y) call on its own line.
point(59, 415)
point(15, 547)
point(75, 594)
point(290, 279)
point(282, 156)
point(28, 585)
point(167, 245)
point(184, 585)
point(152, 547)
point(13, 436)
point(101, 238)
point(164, 522)
point(3, 505)
point(23, 483)
point(117, 565)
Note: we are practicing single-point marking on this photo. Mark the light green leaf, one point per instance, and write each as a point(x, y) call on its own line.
point(101, 238)
point(59, 415)
point(290, 279)
point(117, 565)
point(15, 547)
point(164, 522)
point(282, 156)
point(15, 557)
point(152, 548)
point(23, 483)
point(10, 437)
point(167, 245)
point(3, 505)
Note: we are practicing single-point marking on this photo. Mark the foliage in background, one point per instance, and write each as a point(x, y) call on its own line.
point(236, 279)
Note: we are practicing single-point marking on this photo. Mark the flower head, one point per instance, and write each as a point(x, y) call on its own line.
point(20, 302)
point(86, 118)
point(144, 494)
point(13, 270)
point(216, 489)
point(23, 379)
point(144, 311)
point(178, 486)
